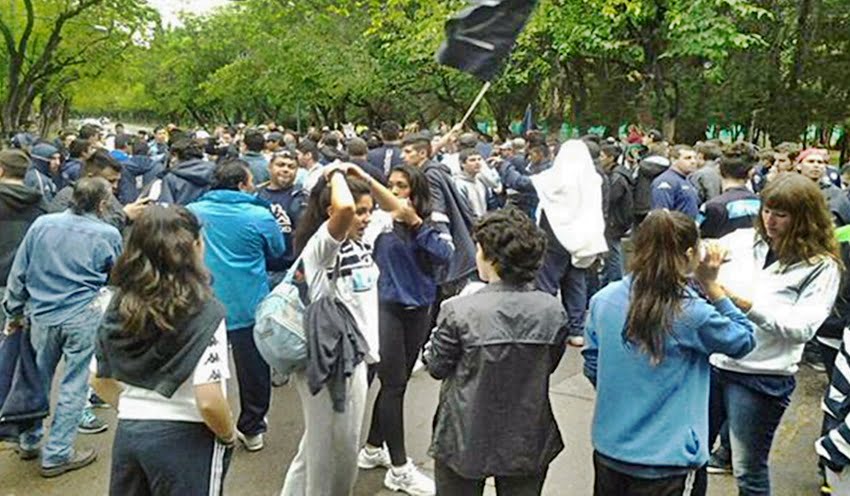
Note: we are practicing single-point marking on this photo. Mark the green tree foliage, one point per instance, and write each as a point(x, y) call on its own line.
point(761, 66)
point(50, 44)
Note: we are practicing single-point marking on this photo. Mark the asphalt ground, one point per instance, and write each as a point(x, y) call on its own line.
point(793, 460)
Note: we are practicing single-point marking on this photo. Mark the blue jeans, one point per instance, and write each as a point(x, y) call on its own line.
point(752, 418)
point(72, 340)
point(613, 270)
point(558, 273)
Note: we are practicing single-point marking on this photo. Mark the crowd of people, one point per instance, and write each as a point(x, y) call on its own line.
point(141, 259)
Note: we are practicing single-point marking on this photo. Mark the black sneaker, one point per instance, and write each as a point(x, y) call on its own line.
point(27, 453)
point(96, 401)
point(719, 463)
point(813, 359)
point(80, 459)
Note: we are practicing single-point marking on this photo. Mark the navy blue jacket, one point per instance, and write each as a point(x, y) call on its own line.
point(452, 216)
point(23, 399)
point(673, 191)
point(138, 172)
point(186, 181)
point(385, 157)
point(407, 259)
point(286, 205)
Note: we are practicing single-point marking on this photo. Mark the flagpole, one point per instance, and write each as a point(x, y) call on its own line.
point(472, 107)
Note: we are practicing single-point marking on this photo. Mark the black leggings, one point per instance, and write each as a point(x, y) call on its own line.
point(403, 331)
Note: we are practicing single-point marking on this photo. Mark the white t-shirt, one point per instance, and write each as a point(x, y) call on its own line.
point(137, 403)
point(357, 285)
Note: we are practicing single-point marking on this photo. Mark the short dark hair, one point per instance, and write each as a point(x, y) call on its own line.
point(737, 160)
point(187, 149)
point(709, 150)
point(88, 194)
point(464, 154)
point(230, 174)
point(357, 147)
point(541, 148)
point(419, 142)
point(390, 131)
point(513, 243)
point(254, 140)
point(78, 147)
point(611, 150)
point(88, 131)
point(655, 135)
point(123, 141)
point(140, 147)
point(100, 160)
point(308, 146)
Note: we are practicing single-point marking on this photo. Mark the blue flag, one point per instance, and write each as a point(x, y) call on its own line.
point(527, 121)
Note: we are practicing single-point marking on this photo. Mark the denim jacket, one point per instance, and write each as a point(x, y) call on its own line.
point(60, 266)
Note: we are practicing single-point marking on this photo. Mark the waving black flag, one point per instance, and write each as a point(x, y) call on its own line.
point(480, 37)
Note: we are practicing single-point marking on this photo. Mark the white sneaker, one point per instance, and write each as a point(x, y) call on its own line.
point(251, 443)
point(370, 457)
point(409, 479)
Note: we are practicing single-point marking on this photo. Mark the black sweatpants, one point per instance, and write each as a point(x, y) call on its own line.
point(167, 458)
point(609, 482)
point(402, 333)
point(449, 483)
point(255, 382)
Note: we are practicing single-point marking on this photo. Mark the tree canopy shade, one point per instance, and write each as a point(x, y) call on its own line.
point(50, 44)
point(772, 67)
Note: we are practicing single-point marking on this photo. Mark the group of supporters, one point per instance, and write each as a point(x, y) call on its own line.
point(141, 260)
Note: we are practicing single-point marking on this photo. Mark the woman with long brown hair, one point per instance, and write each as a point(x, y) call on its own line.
point(648, 339)
point(785, 275)
point(162, 361)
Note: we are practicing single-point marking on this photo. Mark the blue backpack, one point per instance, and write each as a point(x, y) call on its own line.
point(279, 328)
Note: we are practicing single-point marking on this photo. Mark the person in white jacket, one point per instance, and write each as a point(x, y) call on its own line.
point(784, 275)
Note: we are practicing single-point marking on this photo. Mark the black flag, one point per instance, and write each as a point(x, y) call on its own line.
point(480, 37)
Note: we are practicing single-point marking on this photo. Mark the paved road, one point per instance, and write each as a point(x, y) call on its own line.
point(262, 473)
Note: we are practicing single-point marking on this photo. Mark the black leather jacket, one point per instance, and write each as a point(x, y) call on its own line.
point(494, 351)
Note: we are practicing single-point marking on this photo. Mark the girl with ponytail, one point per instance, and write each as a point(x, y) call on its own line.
point(648, 339)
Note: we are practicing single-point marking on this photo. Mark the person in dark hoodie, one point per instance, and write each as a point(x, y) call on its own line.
point(650, 167)
point(329, 149)
point(138, 172)
point(190, 177)
point(620, 209)
point(44, 171)
point(451, 214)
point(20, 205)
point(78, 151)
point(102, 164)
point(388, 155)
point(162, 360)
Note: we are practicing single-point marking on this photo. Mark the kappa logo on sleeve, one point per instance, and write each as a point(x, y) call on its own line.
point(664, 185)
